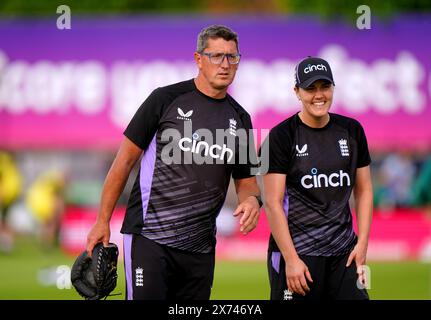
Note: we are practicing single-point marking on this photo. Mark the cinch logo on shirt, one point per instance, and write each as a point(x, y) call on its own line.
point(336, 179)
point(313, 67)
point(215, 151)
point(184, 116)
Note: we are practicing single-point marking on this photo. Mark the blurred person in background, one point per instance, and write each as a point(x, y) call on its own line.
point(45, 199)
point(316, 159)
point(396, 175)
point(10, 191)
point(170, 223)
point(421, 187)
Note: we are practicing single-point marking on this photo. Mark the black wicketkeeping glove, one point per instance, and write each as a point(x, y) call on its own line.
point(95, 277)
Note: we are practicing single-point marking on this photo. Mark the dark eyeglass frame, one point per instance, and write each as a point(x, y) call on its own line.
point(232, 58)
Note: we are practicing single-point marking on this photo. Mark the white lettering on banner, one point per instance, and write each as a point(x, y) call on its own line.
point(132, 82)
point(53, 87)
point(410, 74)
point(11, 94)
point(91, 93)
point(384, 86)
point(259, 86)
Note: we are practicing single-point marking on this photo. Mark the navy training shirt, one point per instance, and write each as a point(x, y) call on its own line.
point(320, 167)
point(192, 145)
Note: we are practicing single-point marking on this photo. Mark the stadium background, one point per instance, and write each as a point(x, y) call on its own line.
point(66, 95)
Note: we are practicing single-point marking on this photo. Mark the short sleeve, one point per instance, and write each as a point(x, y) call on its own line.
point(364, 158)
point(145, 122)
point(242, 171)
point(275, 151)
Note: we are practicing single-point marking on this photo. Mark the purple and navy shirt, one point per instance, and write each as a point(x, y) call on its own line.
point(176, 196)
point(320, 167)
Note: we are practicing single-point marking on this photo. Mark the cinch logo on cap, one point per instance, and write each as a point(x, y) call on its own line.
point(313, 67)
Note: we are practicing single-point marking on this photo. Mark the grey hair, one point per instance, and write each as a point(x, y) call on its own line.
point(215, 32)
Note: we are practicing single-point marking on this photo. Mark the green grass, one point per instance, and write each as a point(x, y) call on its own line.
point(407, 280)
point(240, 280)
point(233, 280)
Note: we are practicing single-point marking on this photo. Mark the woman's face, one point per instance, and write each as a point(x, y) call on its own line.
point(316, 99)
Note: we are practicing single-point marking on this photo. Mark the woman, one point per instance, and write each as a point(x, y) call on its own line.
point(316, 159)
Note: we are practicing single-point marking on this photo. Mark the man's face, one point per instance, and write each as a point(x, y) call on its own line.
point(219, 76)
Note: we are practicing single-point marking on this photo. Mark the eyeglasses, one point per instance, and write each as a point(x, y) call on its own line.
point(217, 58)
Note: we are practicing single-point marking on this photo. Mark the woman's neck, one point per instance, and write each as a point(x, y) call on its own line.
point(314, 122)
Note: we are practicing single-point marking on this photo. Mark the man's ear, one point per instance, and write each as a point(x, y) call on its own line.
point(198, 60)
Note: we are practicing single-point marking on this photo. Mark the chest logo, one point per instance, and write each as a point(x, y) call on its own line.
point(184, 116)
point(139, 277)
point(301, 152)
point(344, 148)
point(336, 179)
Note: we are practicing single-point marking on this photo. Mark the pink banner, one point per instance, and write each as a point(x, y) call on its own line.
point(78, 89)
point(397, 235)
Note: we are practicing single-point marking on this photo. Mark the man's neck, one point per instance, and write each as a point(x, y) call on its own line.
point(204, 87)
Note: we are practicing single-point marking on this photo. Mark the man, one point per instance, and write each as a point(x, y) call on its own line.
point(316, 159)
point(45, 199)
point(170, 223)
point(10, 191)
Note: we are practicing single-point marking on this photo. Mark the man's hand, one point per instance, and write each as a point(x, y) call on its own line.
point(297, 275)
point(99, 233)
point(250, 210)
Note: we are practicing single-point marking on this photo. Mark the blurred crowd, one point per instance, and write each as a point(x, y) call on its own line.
point(44, 199)
point(35, 190)
point(402, 180)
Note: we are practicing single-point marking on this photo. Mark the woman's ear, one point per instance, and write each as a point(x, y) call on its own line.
point(297, 92)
